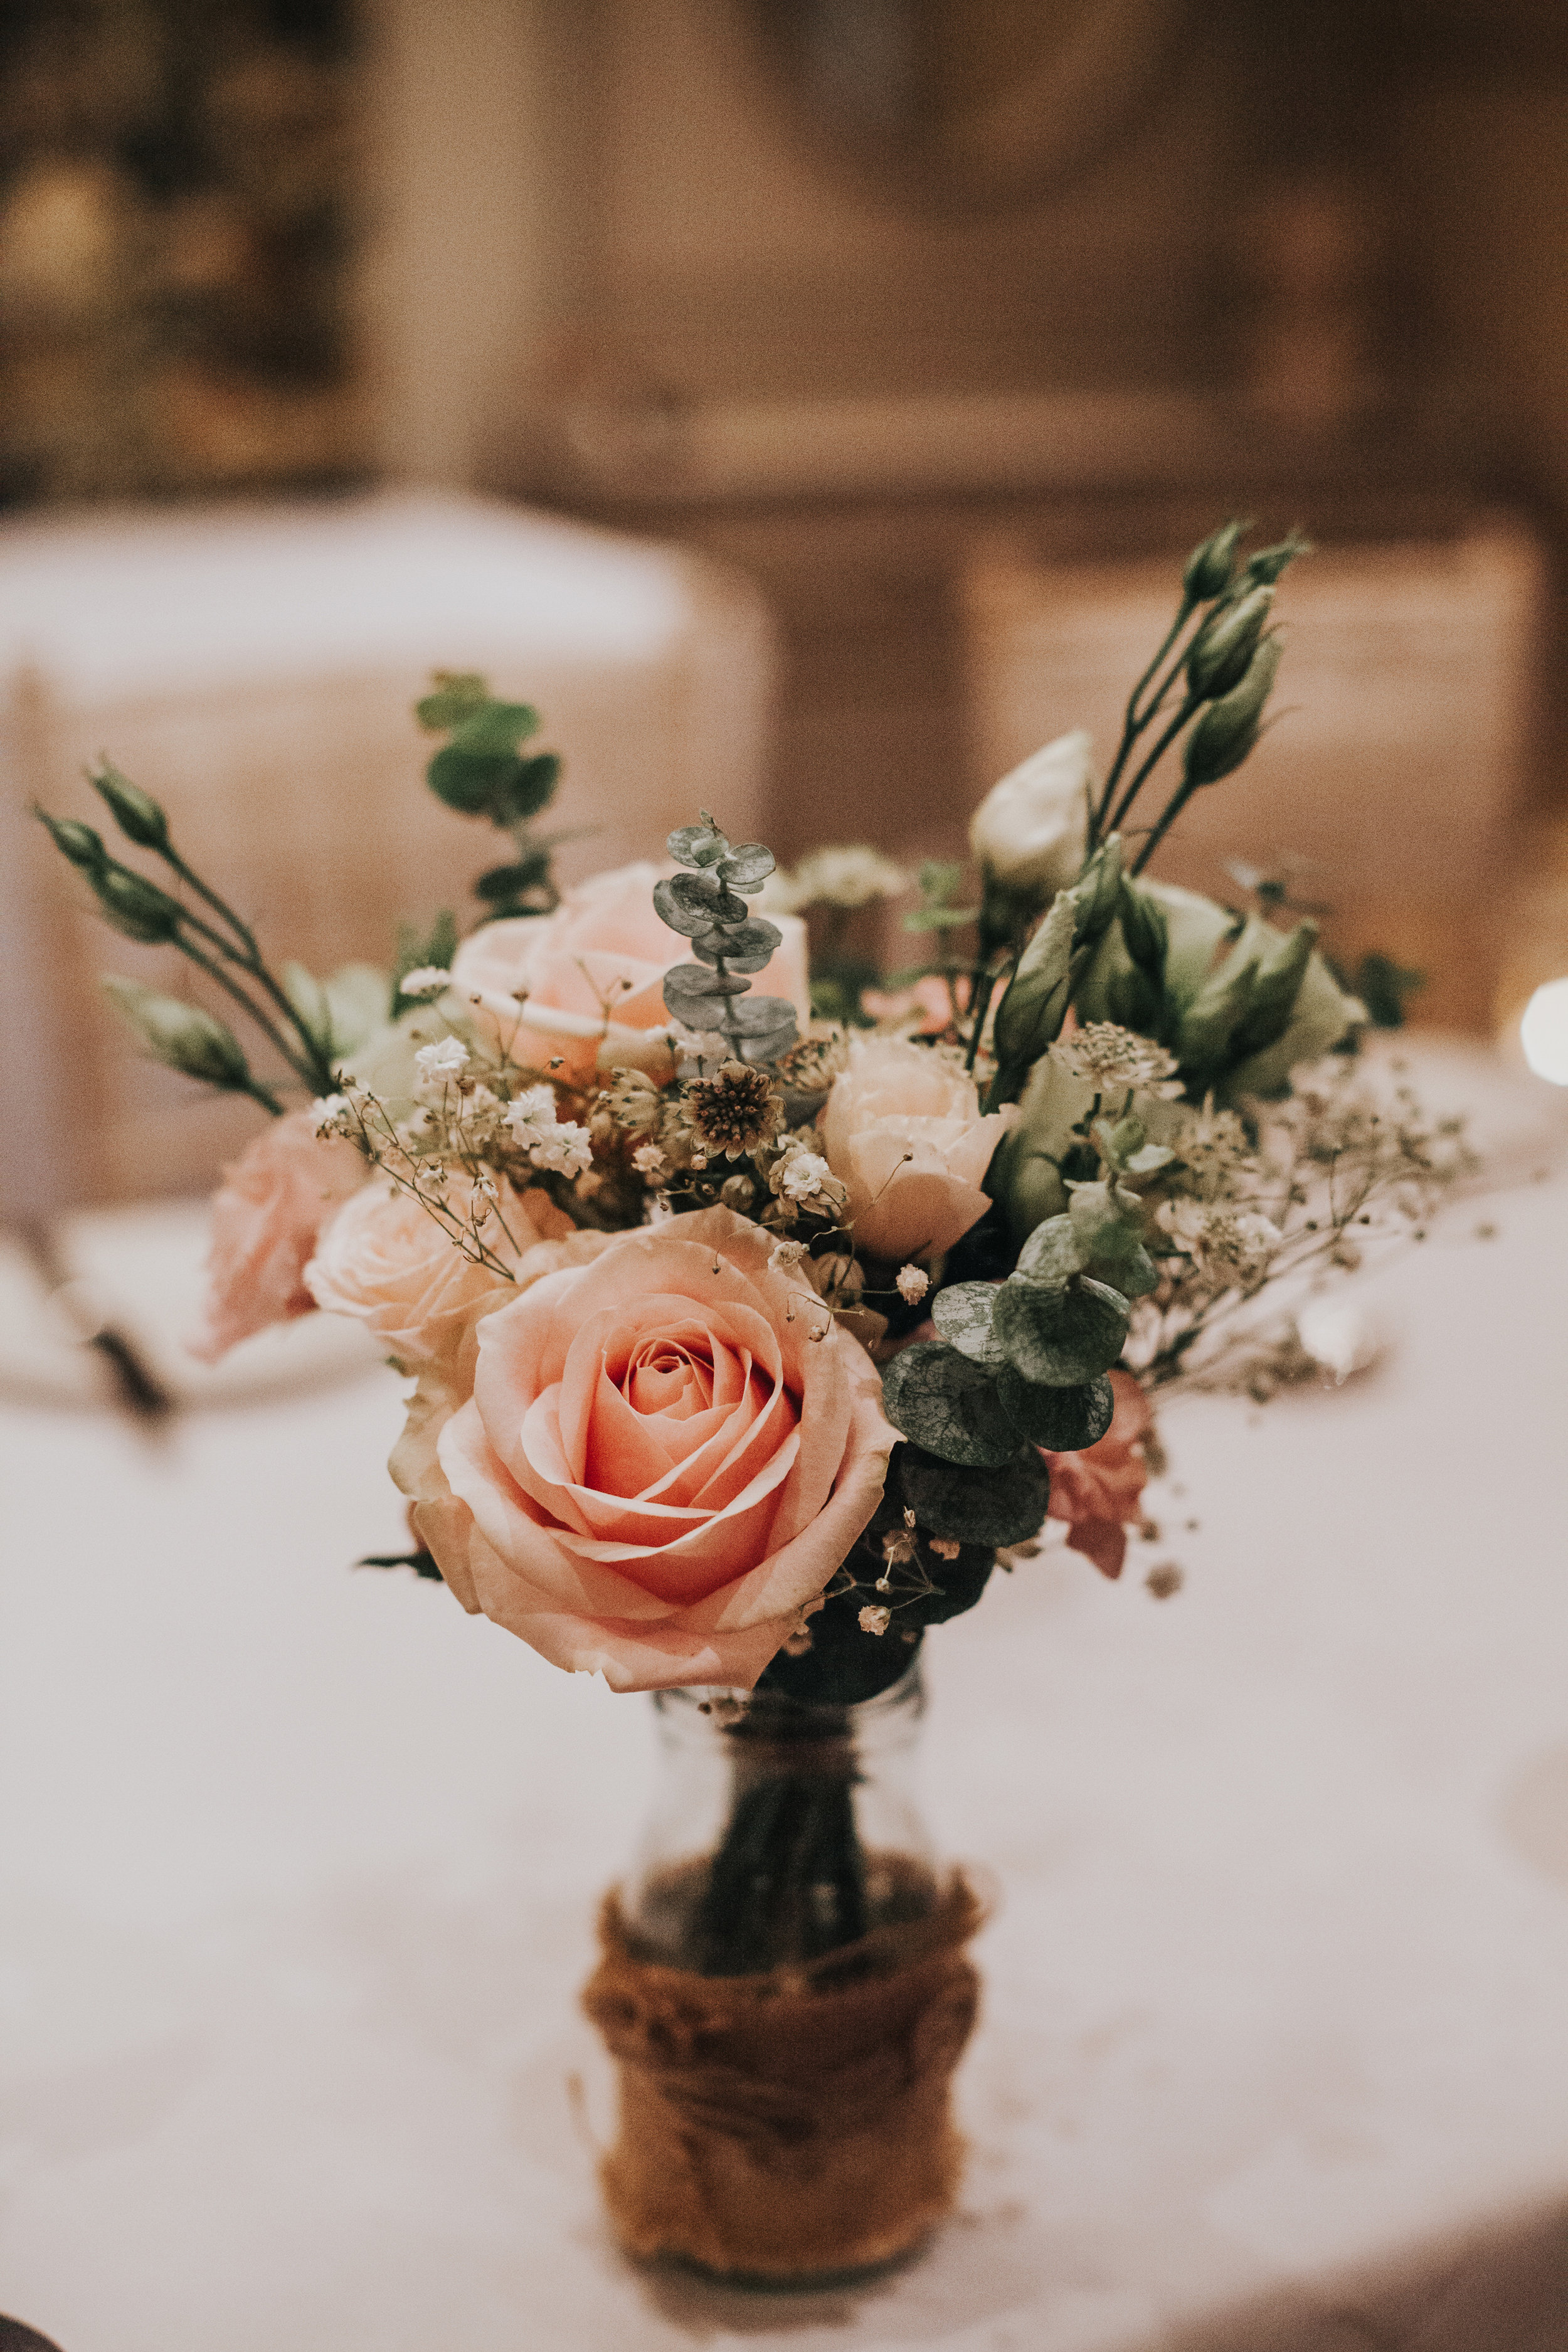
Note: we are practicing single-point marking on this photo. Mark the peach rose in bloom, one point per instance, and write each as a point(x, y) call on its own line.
point(266, 1217)
point(659, 1468)
point(1098, 1491)
point(593, 975)
point(387, 1261)
point(902, 1130)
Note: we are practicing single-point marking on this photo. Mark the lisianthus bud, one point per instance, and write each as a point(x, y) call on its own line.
point(1209, 566)
point(1266, 566)
point(183, 1035)
point(136, 812)
point(1229, 728)
point(1030, 831)
point(1221, 653)
point(78, 842)
point(138, 908)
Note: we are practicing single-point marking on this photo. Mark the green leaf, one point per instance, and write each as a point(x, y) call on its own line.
point(470, 781)
point(947, 1403)
point(745, 947)
point(697, 845)
point(495, 727)
point(436, 948)
point(457, 692)
point(1002, 1505)
point(1063, 1419)
point(940, 918)
point(1061, 1337)
point(962, 1314)
point(529, 788)
point(1053, 1253)
point(136, 812)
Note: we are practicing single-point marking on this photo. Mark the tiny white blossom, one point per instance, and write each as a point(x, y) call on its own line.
point(326, 1111)
point(786, 1255)
point(441, 1061)
point(875, 1620)
point(803, 1175)
point(428, 982)
point(549, 1142)
point(913, 1283)
point(648, 1159)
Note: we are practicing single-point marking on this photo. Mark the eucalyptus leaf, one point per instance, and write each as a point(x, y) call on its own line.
point(747, 865)
point(1054, 1253)
point(948, 1404)
point(745, 947)
point(1002, 1505)
point(962, 1314)
point(495, 727)
point(763, 1017)
point(697, 845)
point(1061, 1337)
point(1063, 1419)
point(689, 992)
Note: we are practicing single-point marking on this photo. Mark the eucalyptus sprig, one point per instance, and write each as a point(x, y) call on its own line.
point(482, 770)
point(707, 904)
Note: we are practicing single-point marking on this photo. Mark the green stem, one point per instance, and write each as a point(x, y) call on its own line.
point(251, 961)
point(1190, 703)
point(1173, 809)
point(303, 1071)
point(1133, 723)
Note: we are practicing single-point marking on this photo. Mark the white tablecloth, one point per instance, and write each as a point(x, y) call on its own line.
point(300, 1867)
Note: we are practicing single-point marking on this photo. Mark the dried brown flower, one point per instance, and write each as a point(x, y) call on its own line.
point(737, 1110)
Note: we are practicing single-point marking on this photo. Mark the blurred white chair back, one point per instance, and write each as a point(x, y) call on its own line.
point(255, 670)
point(1399, 771)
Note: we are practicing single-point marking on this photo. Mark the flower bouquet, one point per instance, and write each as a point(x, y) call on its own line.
point(753, 1323)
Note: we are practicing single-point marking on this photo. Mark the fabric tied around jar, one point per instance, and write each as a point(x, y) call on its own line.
point(794, 2125)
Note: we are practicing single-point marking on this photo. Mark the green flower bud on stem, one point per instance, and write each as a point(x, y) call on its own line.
point(78, 842)
point(183, 1035)
point(1229, 728)
point(1210, 565)
point(136, 812)
point(1220, 653)
point(1265, 568)
point(136, 908)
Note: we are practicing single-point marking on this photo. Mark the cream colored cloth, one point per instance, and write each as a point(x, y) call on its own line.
point(299, 1870)
point(255, 668)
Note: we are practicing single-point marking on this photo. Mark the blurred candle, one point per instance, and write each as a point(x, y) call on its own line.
point(1544, 1032)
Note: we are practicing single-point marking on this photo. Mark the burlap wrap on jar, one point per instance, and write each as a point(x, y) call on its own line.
point(795, 2123)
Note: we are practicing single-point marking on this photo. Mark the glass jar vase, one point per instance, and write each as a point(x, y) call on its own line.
point(785, 1987)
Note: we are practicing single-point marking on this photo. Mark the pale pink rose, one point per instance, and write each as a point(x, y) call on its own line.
point(266, 1216)
point(902, 1130)
point(591, 976)
point(659, 1468)
point(1099, 1491)
point(387, 1260)
point(448, 1383)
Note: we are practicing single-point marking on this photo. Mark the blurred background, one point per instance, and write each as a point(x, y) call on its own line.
point(806, 402)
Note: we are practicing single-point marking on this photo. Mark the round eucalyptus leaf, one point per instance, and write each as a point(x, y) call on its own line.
point(697, 845)
point(1064, 1420)
point(962, 1314)
point(1053, 1253)
point(745, 947)
point(691, 993)
point(747, 865)
point(1060, 1338)
point(470, 781)
point(1000, 1505)
point(763, 1017)
point(947, 1404)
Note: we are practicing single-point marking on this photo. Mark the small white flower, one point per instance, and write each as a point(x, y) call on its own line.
point(326, 1111)
point(785, 1256)
point(444, 1060)
point(1029, 830)
point(428, 982)
point(875, 1620)
point(648, 1159)
point(803, 1175)
point(684, 1043)
point(912, 1283)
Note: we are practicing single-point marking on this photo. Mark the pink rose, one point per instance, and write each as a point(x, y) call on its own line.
point(387, 1260)
point(591, 976)
point(1099, 1491)
point(902, 1130)
point(265, 1216)
point(659, 1468)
